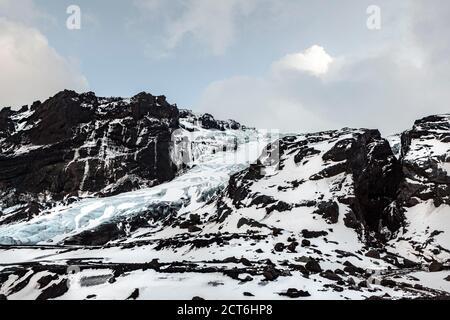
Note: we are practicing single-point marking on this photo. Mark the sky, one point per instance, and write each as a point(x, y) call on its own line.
point(293, 65)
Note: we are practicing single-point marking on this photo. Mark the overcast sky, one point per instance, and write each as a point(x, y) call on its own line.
point(276, 64)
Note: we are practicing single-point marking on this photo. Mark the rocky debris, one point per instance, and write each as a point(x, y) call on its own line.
point(245, 262)
point(294, 293)
point(279, 247)
point(292, 247)
point(352, 269)
point(54, 291)
point(435, 266)
point(330, 275)
point(329, 211)
point(306, 243)
point(388, 283)
point(373, 254)
point(270, 273)
point(134, 295)
point(313, 266)
point(313, 234)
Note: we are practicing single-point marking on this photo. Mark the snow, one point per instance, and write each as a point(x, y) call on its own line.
point(422, 220)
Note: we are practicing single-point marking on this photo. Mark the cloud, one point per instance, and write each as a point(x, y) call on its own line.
point(30, 68)
point(24, 11)
point(260, 102)
point(314, 61)
point(381, 91)
point(211, 24)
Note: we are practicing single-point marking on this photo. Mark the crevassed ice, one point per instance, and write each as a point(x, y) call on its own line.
point(210, 173)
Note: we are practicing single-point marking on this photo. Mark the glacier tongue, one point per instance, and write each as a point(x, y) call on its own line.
point(208, 174)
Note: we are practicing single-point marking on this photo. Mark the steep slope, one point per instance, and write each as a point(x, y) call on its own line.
point(424, 192)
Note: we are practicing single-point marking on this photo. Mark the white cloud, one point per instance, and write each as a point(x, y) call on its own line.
point(30, 68)
point(315, 61)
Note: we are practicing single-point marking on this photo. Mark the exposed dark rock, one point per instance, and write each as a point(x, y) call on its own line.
point(388, 283)
point(54, 291)
point(45, 280)
point(194, 229)
point(313, 234)
point(294, 293)
point(270, 273)
point(435, 266)
point(293, 246)
point(306, 243)
point(351, 269)
point(303, 153)
point(279, 247)
point(208, 122)
point(330, 275)
point(329, 211)
point(313, 266)
point(245, 262)
point(134, 295)
point(373, 254)
point(280, 206)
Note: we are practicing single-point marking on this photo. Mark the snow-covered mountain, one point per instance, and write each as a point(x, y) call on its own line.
point(135, 198)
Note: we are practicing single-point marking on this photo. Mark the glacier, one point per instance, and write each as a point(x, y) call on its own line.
point(214, 161)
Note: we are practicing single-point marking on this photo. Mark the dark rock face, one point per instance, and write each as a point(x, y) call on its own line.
point(425, 155)
point(207, 121)
point(376, 173)
point(54, 291)
point(78, 144)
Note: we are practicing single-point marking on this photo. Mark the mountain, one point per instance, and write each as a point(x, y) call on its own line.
point(79, 145)
point(110, 198)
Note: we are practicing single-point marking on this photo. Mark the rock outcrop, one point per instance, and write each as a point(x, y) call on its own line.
point(74, 145)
